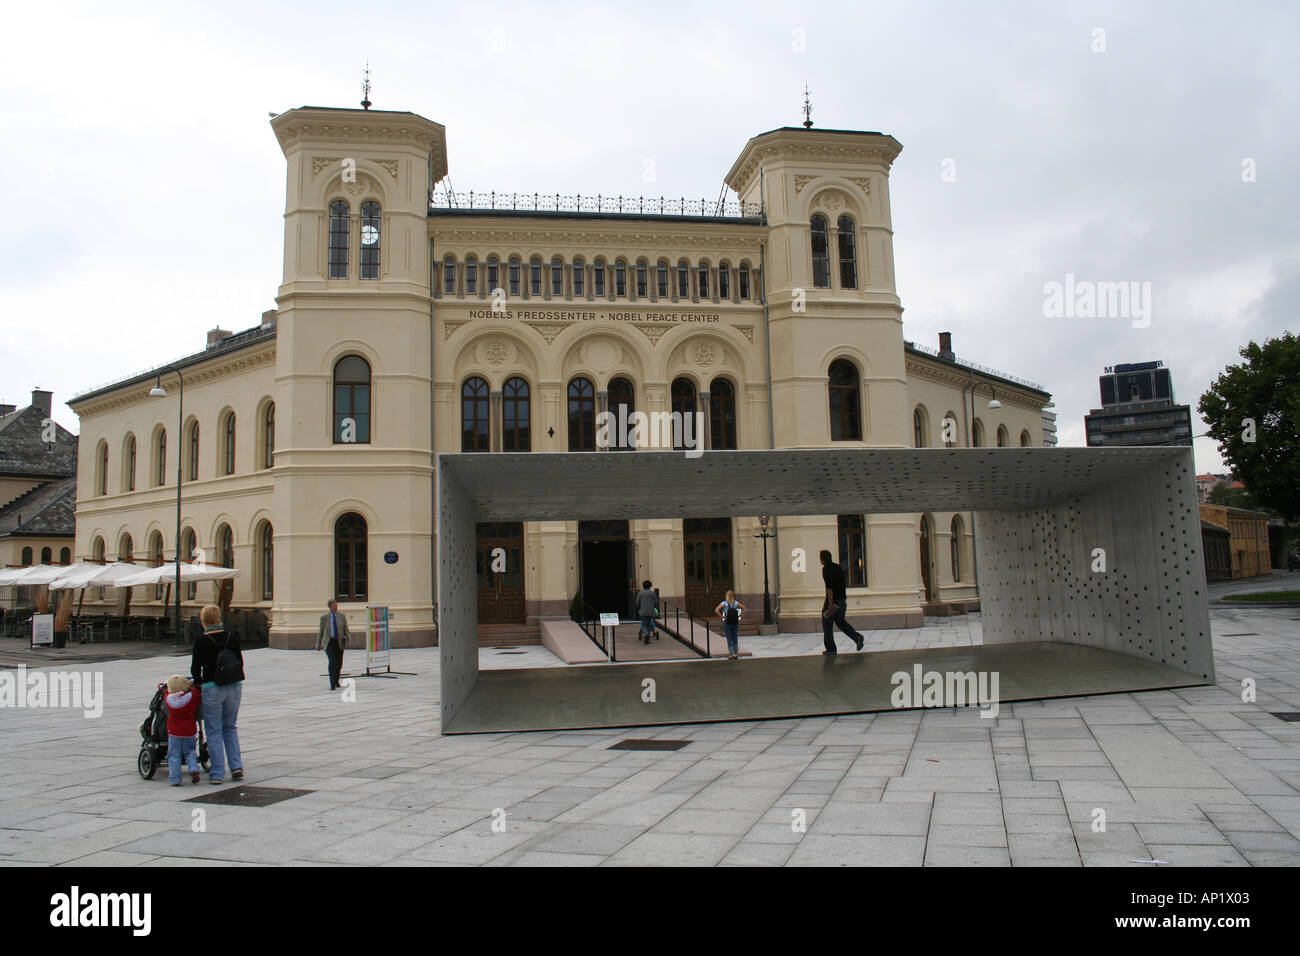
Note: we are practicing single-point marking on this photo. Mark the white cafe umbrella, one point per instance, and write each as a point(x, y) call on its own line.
point(38, 574)
point(167, 573)
point(90, 575)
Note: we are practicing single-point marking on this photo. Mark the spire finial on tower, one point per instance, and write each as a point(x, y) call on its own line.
point(807, 107)
point(365, 87)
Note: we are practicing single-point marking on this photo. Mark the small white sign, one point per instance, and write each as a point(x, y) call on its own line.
point(42, 630)
point(608, 620)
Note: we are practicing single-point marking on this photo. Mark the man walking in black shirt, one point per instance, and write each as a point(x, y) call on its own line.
point(837, 602)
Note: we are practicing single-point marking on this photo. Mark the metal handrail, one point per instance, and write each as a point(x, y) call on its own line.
point(590, 624)
point(676, 630)
point(979, 368)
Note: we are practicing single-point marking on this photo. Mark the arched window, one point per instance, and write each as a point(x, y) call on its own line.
point(821, 255)
point(579, 277)
point(582, 415)
point(193, 446)
point(126, 550)
point(1025, 440)
point(1004, 439)
point(449, 275)
point(598, 277)
point(557, 276)
point(620, 279)
point(350, 570)
point(101, 469)
point(339, 230)
point(352, 401)
point(471, 275)
point(919, 429)
point(744, 280)
point(661, 280)
point(642, 281)
point(189, 543)
point(266, 560)
point(722, 413)
point(128, 480)
point(724, 281)
point(683, 408)
point(47, 555)
point(370, 226)
point(956, 546)
point(493, 274)
point(160, 459)
point(228, 443)
point(704, 280)
point(683, 280)
point(268, 435)
point(845, 402)
point(65, 555)
point(514, 275)
point(535, 276)
point(225, 547)
point(622, 396)
point(156, 560)
point(949, 430)
point(475, 415)
point(27, 557)
point(853, 549)
point(516, 416)
point(97, 553)
point(848, 254)
point(977, 434)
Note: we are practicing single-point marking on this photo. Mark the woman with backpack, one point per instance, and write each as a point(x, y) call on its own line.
point(730, 610)
point(218, 668)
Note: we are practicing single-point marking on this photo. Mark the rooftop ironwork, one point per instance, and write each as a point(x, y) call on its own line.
point(978, 368)
point(492, 201)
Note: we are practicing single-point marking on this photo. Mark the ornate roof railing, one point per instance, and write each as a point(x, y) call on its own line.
point(979, 368)
point(608, 205)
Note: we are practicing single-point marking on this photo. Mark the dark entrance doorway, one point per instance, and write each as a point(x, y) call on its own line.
point(707, 546)
point(927, 575)
point(499, 570)
point(607, 564)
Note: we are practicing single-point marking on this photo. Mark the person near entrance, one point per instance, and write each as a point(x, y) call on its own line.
point(730, 610)
point(837, 602)
point(333, 637)
point(647, 609)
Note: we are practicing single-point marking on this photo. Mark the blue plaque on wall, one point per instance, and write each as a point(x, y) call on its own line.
point(390, 557)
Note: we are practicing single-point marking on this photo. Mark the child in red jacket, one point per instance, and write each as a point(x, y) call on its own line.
point(182, 700)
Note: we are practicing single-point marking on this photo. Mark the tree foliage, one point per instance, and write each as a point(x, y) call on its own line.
point(1263, 390)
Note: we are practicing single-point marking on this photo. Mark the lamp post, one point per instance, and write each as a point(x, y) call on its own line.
point(159, 392)
point(764, 534)
point(993, 403)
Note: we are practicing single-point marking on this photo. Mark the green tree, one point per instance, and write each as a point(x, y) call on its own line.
point(1260, 400)
point(1225, 494)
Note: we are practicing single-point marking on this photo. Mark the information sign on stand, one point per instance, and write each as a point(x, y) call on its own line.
point(42, 630)
point(377, 640)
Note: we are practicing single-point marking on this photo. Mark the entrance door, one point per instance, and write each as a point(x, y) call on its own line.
point(499, 569)
point(606, 570)
point(926, 576)
point(707, 546)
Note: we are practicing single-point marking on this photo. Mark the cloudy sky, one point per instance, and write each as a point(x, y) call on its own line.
point(1108, 141)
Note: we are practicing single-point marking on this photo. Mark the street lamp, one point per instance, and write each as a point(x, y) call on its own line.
point(993, 403)
point(159, 392)
point(764, 534)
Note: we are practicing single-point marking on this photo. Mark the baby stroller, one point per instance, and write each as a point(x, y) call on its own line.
point(153, 745)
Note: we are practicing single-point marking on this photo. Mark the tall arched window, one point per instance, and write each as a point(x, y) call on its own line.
point(160, 459)
point(128, 479)
point(156, 560)
point(661, 280)
point(722, 413)
point(27, 558)
point(340, 226)
point(683, 280)
point(97, 554)
point(848, 254)
point(193, 451)
point(225, 547)
point(352, 401)
point(126, 550)
point(228, 444)
point(101, 469)
point(493, 274)
point(471, 275)
point(516, 416)
point(370, 226)
point(950, 430)
point(535, 276)
point(642, 281)
point(266, 560)
point(703, 282)
point(977, 434)
point(620, 279)
point(268, 436)
point(821, 255)
point(514, 275)
point(853, 549)
point(582, 415)
point(449, 275)
point(557, 276)
point(65, 555)
point(189, 544)
point(919, 429)
point(47, 555)
point(1004, 439)
point(579, 278)
point(475, 415)
point(598, 277)
point(622, 396)
point(724, 281)
point(845, 402)
point(744, 280)
point(1025, 440)
point(350, 565)
point(683, 408)
point(956, 546)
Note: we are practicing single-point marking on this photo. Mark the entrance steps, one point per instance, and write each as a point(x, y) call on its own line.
point(508, 635)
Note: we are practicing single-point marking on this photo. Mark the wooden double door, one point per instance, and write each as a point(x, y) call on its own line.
point(499, 570)
point(708, 557)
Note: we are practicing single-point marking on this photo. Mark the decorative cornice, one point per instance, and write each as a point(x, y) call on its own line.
point(234, 364)
point(953, 376)
point(792, 147)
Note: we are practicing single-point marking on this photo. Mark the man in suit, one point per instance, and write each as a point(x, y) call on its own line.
point(333, 637)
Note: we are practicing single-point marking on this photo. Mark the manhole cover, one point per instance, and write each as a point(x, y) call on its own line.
point(649, 745)
point(1288, 715)
point(249, 796)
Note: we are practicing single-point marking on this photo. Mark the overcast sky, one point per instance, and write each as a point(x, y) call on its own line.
point(146, 189)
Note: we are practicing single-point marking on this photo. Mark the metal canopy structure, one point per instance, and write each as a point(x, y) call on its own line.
point(1086, 546)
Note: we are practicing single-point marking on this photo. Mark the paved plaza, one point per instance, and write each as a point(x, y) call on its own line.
point(1192, 777)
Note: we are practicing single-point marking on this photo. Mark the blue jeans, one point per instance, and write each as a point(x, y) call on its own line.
point(647, 625)
point(178, 748)
point(837, 618)
point(733, 636)
point(220, 714)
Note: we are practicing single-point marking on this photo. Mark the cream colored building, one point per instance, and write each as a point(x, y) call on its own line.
point(414, 321)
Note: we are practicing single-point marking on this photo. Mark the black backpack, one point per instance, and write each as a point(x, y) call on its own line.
point(230, 669)
point(733, 614)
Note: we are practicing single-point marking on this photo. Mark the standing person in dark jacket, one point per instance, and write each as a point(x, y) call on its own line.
point(220, 701)
point(333, 637)
point(837, 602)
point(646, 602)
